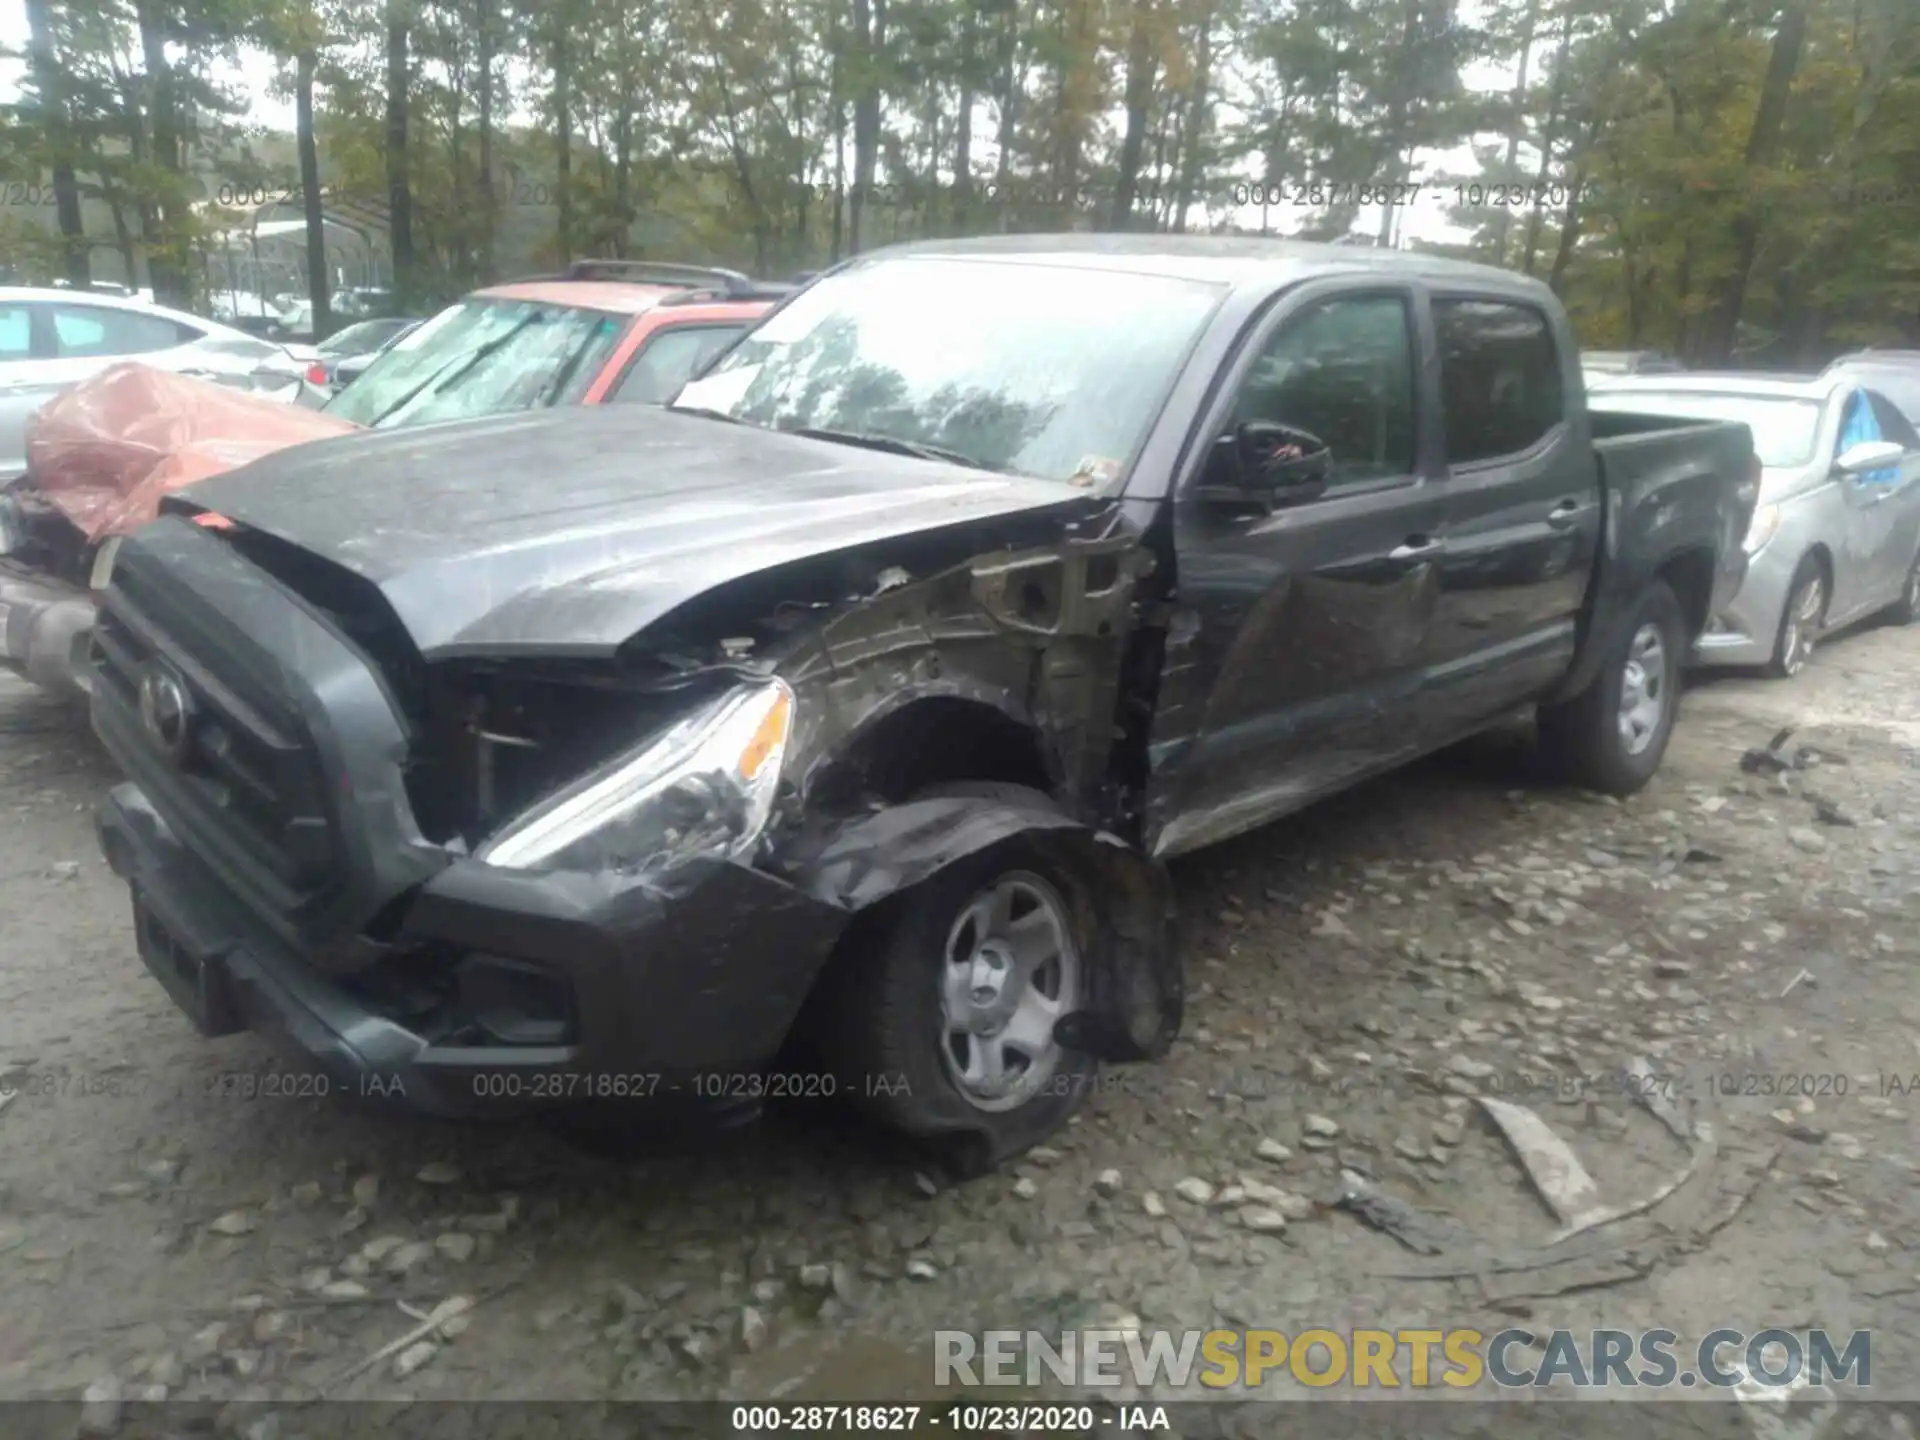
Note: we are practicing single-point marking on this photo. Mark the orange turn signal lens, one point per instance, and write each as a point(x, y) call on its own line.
point(769, 736)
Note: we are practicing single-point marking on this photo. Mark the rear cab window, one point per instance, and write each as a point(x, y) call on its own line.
point(667, 359)
point(1500, 378)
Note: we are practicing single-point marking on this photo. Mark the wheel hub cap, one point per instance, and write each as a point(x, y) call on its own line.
point(1803, 615)
point(1643, 689)
point(991, 997)
point(1010, 970)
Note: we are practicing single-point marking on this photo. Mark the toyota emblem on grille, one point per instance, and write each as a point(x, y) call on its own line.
point(167, 711)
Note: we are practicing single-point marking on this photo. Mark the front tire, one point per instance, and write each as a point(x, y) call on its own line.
point(1612, 736)
point(1906, 609)
point(938, 1018)
point(1800, 621)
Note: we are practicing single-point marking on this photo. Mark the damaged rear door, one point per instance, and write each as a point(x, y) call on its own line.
point(1303, 612)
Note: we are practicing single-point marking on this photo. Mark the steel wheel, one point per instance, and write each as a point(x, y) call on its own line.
point(1008, 972)
point(1802, 623)
point(1643, 689)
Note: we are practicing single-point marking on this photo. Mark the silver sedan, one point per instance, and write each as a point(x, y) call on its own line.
point(1836, 534)
point(51, 339)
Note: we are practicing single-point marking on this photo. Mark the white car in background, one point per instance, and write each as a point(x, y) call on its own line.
point(53, 338)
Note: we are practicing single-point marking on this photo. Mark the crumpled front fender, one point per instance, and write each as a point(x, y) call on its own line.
point(1137, 995)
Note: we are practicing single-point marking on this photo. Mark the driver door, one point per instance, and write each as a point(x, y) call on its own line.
point(1900, 505)
point(1308, 618)
point(1864, 575)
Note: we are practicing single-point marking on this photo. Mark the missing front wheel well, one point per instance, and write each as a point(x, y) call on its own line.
point(935, 741)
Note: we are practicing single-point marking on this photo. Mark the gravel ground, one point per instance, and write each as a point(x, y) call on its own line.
point(1360, 973)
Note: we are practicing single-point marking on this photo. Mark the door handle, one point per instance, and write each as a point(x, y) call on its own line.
point(1565, 514)
point(1416, 548)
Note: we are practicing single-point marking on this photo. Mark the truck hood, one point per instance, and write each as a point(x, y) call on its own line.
point(567, 532)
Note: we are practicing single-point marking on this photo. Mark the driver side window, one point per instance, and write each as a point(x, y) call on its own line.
point(1859, 425)
point(1344, 372)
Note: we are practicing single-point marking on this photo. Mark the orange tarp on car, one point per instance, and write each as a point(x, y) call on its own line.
point(106, 451)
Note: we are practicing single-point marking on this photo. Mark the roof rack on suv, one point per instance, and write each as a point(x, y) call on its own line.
point(705, 279)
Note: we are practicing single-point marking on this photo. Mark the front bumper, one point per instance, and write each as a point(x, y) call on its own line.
point(677, 991)
point(1743, 630)
point(44, 629)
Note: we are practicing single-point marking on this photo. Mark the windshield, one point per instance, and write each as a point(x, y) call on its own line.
point(358, 339)
point(1051, 371)
point(1784, 430)
point(482, 357)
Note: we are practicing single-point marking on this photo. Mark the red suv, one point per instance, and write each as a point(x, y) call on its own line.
point(105, 452)
point(606, 331)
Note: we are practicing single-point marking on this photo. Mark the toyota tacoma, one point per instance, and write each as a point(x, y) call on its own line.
point(849, 707)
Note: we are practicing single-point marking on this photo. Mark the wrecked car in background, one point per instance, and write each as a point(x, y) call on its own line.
point(99, 458)
point(848, 707)
point(1836, 532)
point(606, 332)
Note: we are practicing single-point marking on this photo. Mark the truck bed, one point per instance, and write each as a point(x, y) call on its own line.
point(1660, 479)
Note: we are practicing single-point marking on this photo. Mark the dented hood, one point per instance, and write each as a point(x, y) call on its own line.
point(569, 531)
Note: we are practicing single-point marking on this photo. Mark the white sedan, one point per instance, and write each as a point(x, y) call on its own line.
point(51, 339)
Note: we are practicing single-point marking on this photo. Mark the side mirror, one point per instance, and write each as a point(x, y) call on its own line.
point(1267, 466)
point(1868, 456)
point(1281, 462)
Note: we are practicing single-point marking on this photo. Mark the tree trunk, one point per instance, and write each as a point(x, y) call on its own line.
point(1549, 134)
point(1396, 137)
point(1007, 106)
point(837, 99)
point(963, 119)
point(1142, 69)
point(1683, 326)
point(869, 37)
point(165, 272)
point(563, 132)
point(318, 289)
point(623, 174)
point(1079, 104)
point(50, 80)
point(123, 238)
point(399, 186)
point(1516, 122)
point(1569, 230)
point(1763, 141)
point(1198, 113)
point(1167, 124)
point(489, 205)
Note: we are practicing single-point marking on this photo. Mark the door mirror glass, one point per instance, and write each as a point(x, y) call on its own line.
point(1263, 465)
point(1282, 461)
point(1867, 456)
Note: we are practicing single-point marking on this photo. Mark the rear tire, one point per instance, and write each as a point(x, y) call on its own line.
point(1612, 735)
point(1800, 621)
point(936, 1017)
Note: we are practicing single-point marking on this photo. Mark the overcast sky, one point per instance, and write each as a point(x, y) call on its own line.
point(254, 78)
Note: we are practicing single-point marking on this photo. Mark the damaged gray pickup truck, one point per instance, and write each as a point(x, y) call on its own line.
point(849, 708)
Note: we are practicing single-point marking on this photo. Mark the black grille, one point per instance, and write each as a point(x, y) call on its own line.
point(247, 785)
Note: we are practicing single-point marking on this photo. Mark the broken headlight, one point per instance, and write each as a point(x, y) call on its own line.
point(704, 787)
